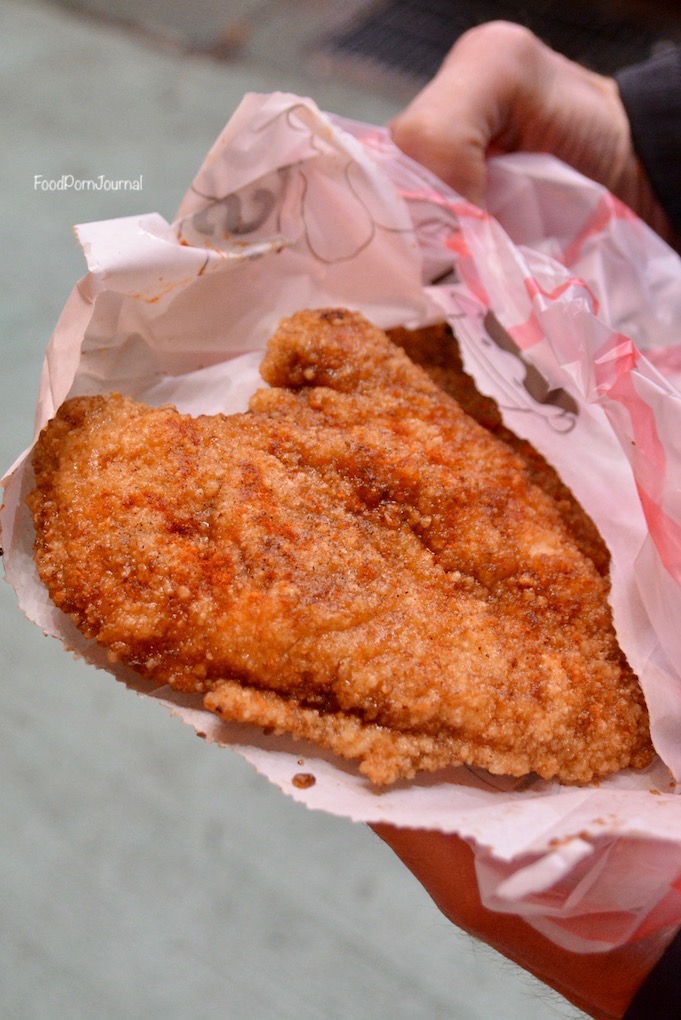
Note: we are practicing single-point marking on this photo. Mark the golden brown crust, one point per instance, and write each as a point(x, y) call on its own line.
point(436, 349)
point(354, 561)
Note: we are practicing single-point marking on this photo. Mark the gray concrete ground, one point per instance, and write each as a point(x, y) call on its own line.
point(142, 873)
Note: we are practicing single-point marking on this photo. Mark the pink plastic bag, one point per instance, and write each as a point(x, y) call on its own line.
point(567, 309)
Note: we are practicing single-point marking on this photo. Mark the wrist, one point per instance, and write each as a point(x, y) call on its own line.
point(600, 984)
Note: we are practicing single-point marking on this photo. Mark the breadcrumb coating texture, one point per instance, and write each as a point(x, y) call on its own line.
point(355, 561)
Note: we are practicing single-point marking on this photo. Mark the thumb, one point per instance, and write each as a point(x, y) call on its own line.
point(451, 149)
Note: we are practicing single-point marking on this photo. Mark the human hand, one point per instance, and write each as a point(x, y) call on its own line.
point(600, 984)
point(502, 90)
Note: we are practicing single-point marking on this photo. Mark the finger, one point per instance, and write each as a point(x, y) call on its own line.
point(451, 124)
point(449, 141)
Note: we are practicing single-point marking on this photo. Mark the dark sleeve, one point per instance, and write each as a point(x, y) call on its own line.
point(659, 997)
point(651, 93)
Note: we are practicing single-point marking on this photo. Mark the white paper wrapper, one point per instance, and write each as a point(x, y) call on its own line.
point(566, 308)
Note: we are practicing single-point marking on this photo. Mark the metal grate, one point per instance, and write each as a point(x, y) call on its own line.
point(411, 38)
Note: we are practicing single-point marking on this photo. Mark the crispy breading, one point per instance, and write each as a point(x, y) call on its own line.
point(354, 561)
point(435, 348)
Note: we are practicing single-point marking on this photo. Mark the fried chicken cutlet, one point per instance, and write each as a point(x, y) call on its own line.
point(354, 561)
point(436, 349)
